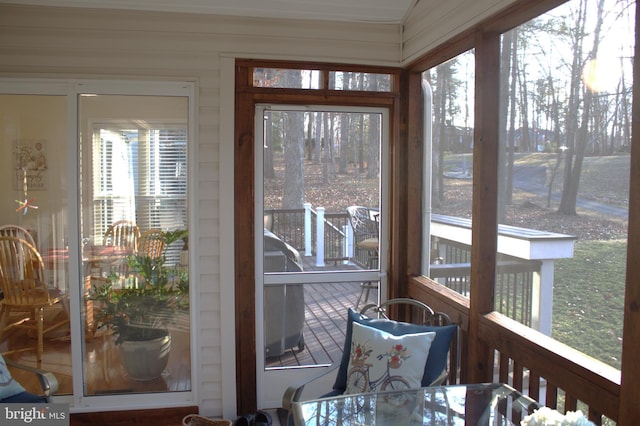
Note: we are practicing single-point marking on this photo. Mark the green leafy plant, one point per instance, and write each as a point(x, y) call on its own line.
point(142, 308)
point(175, 235)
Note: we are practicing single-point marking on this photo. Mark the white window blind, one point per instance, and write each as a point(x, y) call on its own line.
point(140, 174)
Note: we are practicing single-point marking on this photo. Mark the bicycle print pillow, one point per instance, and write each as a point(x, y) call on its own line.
point(381, 361)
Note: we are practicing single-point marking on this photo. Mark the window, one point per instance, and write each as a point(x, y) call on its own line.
point(286, 79)
point(282, 78)
point(360, 81)
point(565, 104)
point(563, 200)
point(452, 99)
point(149, 184)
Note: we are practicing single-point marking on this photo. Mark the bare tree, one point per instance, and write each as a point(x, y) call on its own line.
point(269, 171)
point(293, 197)
point(508, 71)
point(579, 132)
point(317, 156)
point(373, 135)
point(439, 131)
point(346, 143)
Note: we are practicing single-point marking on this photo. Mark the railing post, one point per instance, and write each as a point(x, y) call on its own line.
point(320, 237)
point(307, 229)
point(542, 300)
point(347, 244)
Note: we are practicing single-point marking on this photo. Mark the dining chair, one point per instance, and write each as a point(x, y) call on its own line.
point(435, 327)
point(26, 293)
point(365, 224)
point(17, 231)
point(123, 233)
point(151, 243)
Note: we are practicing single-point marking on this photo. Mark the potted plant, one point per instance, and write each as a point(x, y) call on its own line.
point(139, 312)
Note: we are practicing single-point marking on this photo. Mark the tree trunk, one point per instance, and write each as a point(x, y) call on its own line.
point(324, 144)
point(269, 171)
point(317, 146)
point(440, 108)
point(345, 143)
point(508, 69)
point(360, 144)
point(567, 206)
point(293, 197)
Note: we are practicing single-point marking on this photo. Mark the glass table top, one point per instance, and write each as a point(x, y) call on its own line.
point(474, 404)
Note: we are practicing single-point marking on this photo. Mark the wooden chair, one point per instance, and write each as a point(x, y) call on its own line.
point(122, 233)
point(22, 282)
point(151, 243)
point(364, 222)
point(17, 231)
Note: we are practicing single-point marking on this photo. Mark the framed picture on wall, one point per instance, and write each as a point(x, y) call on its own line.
point(30, 165)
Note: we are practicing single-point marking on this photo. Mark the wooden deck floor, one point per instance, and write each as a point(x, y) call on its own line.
point(325, 324)
point(326, 307)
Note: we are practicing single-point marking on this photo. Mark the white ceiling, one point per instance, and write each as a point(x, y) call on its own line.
point(379, 11)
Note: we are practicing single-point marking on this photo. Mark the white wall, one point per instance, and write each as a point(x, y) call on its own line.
point(85, 43)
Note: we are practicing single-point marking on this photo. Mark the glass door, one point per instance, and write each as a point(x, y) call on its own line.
point(34, 232)
point(96, 193)
point(134, 229)
point(320, 209)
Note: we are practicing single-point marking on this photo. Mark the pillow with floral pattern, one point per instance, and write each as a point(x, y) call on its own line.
point(380, 361)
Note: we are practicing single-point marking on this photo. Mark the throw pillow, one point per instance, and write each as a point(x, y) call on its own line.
point(8, 386)
point(380, 361)
point(438, 352)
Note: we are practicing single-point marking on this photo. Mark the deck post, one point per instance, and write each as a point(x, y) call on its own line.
point(347, 244)
point(307, 229)
point(320, 237)
point(542, 300)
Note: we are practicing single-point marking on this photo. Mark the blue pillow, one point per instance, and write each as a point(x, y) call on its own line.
point(436, 362)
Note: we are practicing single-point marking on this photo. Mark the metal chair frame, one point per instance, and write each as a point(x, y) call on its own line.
point(427, 316)
point(365, 224)
point(48, 382)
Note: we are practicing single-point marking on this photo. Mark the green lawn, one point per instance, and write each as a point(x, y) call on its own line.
point(588, 307)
